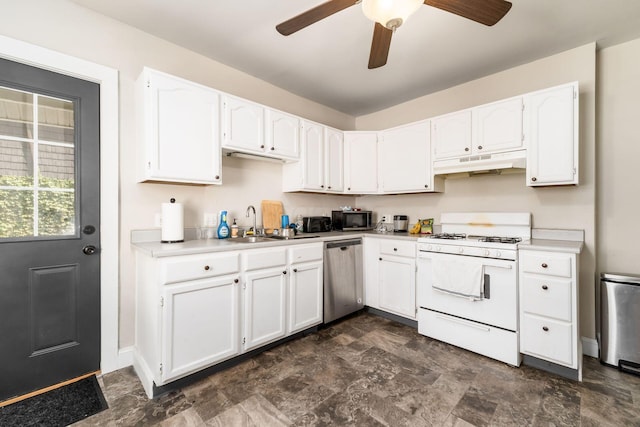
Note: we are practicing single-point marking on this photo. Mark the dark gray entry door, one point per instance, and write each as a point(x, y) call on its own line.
point(49, 228)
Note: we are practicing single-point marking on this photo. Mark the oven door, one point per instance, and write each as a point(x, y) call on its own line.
point(498, 308)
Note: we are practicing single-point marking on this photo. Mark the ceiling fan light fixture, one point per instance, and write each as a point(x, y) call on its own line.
point(390, 13)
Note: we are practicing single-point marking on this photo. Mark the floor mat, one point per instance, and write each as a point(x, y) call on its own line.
point(60, 407)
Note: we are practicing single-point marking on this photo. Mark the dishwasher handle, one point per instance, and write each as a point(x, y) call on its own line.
point(342, 244)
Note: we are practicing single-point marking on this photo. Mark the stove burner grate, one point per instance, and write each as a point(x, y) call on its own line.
point(449, 236)
point(498, 239)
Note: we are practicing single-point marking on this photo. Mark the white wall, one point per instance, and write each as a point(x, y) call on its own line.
point(618, 152)
point(552, 207)
point(66, 27)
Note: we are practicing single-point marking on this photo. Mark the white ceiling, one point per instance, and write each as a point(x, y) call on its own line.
point(327, 62)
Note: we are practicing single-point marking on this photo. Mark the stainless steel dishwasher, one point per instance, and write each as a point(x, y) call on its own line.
point(343, 285)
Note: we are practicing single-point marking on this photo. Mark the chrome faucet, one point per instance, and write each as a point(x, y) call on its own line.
point(249, 209)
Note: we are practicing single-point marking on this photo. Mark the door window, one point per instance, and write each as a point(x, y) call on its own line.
point(37, 166)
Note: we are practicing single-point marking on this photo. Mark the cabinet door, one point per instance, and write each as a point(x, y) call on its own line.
point(371, 253)
point(361, 162)
point(397, 276)
point(404, 155)
point(264, 306)
point(334, 160)
point(313, 156)
point(451, 135)
point(200, 325)
point(497, 127)
point(283, 135)
point(243, 125)
point(552, 152)
point(305, 296)
point(181, 128)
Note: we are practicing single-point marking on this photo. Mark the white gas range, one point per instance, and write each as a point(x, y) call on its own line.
point(467, 285)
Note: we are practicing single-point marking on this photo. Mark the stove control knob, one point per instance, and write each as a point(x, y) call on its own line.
point(486, 252)
point(461, 250)
point(438, 248)
point(498, 253)
point(429, 247)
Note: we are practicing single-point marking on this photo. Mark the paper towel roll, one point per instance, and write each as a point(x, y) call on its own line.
point(172, 222)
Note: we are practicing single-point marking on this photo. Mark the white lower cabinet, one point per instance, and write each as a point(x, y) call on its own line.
point(193, 311)
point(264, 307)
point(200, 325)
point(390, 276)
point(549, 328)
point(305, 287)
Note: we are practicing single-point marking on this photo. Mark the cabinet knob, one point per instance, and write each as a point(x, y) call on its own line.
point(284, 272)
point(217, 176)
point(479, 147)
point(544, 265)
point(534, 179)
point(273, 148)
point(395, 249)
point(207, 268)
point(329, 187)
point(262, 146)
point(466, 148)
point(379, 259)
point(546, 329)
point(545, 287)
point(236, 280)
point(349, 188)
point(295, 270)
point(321, 186)
point(426, 186)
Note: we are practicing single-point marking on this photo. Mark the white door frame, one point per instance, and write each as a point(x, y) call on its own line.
point(107, 78)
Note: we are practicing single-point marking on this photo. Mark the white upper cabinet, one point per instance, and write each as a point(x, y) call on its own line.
point(321, 161)
point(283, 134)
point(451, 135)
point(243, 125)
point(551, 118)
point(180, 129)
point(404, 159)
point(334, 160)
point(497, 126)
point(361, 162)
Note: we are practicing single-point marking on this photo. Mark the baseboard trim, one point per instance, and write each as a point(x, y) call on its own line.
point(590, 347)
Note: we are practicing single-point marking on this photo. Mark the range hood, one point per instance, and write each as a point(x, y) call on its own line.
point(482, 163)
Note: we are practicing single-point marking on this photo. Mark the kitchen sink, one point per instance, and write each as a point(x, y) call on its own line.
point(250, 239)
point(296, 237)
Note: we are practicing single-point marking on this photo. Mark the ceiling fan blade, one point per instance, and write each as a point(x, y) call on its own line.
point(487, 12)
point(380, 46)
point(312, 16)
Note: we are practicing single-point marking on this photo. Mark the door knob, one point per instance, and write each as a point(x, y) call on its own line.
point(89, 250)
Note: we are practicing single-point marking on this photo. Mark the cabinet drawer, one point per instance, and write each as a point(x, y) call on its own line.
point(394, 247)
point(264, 258)
point(548, 339)
point(547, 297)
point(190, 267)
point(546, 263)
point(304, 253)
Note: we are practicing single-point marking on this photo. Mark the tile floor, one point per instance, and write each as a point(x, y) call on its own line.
point(370, 371)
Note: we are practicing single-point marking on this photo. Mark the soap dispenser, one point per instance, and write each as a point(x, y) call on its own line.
point(223, 228)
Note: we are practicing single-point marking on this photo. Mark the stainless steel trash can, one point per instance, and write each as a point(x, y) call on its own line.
point(620, 321)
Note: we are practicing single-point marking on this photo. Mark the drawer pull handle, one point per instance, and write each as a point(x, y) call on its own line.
point(395, 249)
point(544, 265)
point(546, 329)
point(379, 259)
point(284, 272)
point(295, 270)
point(235, 280)
point(207, 268)
point(545, 287)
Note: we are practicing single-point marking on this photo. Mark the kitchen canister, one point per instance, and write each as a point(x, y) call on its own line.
point(172, 222)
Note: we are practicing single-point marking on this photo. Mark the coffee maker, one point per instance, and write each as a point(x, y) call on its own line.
point(400, 223)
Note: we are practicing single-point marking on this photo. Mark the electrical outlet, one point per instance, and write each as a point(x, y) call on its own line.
point(157, 220)
point(387, 219)
point(209, 219)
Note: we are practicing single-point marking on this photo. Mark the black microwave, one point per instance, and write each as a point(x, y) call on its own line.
point(351, 220)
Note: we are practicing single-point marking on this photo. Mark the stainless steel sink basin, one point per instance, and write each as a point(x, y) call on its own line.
point(296, 237)
point(250, 239)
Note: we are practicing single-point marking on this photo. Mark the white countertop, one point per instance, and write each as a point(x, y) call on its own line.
point(549, 245)
point(191, 247)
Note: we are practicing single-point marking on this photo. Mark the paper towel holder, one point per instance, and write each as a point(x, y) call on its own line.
point(173, 233)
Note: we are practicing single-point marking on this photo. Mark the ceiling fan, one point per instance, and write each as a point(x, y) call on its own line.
point(388, 15)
